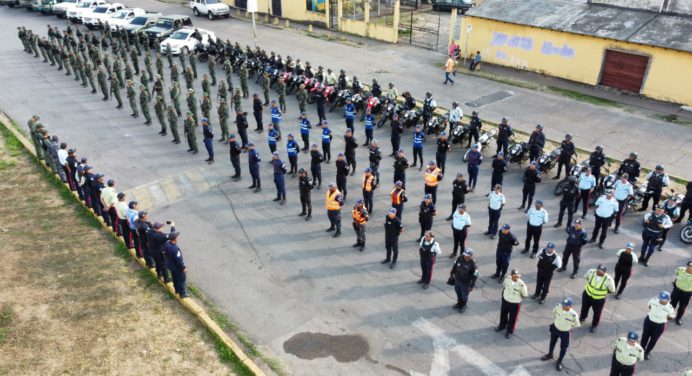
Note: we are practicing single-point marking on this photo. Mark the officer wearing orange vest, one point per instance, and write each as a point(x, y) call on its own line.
point(368, 185)
point(334, 204)
point(432, 178)
point(360, 217)
point(398, 198)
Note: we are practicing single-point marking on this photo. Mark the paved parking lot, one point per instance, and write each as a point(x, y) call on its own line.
point(316, 303)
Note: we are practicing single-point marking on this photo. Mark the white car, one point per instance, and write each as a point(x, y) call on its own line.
point(99, 15)
point(61, 9)
point(84, 6)
point(183, 40)
point(123, 17)
point(212, 8)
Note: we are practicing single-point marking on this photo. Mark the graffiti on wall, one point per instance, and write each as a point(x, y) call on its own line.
point(504, 43)
point(564, 51)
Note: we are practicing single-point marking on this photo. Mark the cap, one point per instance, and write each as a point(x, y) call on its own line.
point(515, 272)
point(359, 201)
point(630, 245)
point(121, 195)
point(142, 213)
point(566, 302)
point(625, 175)
point(689, 263)
point(110, 182)
point(577, 222)
point(602, 268)
point(231, 136)
point(290, 135)
point(173, 235)
point(659, 206)
point(368, 169)
point(83, 160)
point(87, 167)
point(664, 295)
point(331, 185)
point(99, 176)
point(539, 202)
point(301, 170)
point(71, 150)
point(550, 245)
point(392, 211)
point(461, 206)
point(431, 163)
point(426, 197)
point(633, 336)
point(443, 134)
point(132, 204)
point(157, 225)
point(468, 252)
point(475, 146)
point(205, 119)
point(506, 226)
point(460, 175)
point(276, 153)
point(399, 183)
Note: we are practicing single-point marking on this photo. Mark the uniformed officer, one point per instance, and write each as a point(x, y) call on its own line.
point(576, 238)
point(564, 320)
point(254, 161)
point(302, 97)
point(143, 226)
point(208, 139)
point(656, 181)
point(622, 191)
point(474, 160)
point(193, 63)
point(433, 176)
point(400, 166)
point(173, 123)
point(279, 172)
point(672, 210)
point(587, 184)
point(305, 185)
point(534, 227)
point(374, 157)
point(368, 184)
point(660, 311)
point(631, 167)
point(504, 133)
point(428, 250)
point(234, 150)
point(369, 126)
point(212, 70)
point(174, 93)
point(192, 104)
point(536, 143)
point(243, 80)
point(121, 210)
point(316, 166)
point(349, 113)
point(305, 127)
point(499, 166)
point(341, 174)
point(514, 290)
point(606, 207)
point(281, 89)
point(144, 105)
point(398, 195)
point(426, 213)
point(108, 201)
point(654, 224)
point(548, 261)
point(531, 177)
point(567, 150)
point(623, 268)
point(334, 202)
point(397, 129)
point(627, 353)
point(276, 115)
point(461, 221)
point(570, 192)
point(326, 141)
point(392, 229)
point(682, 290)
point(206, 105)
point(160, 109)
point(156, 239)
point(265, 87)
point(115, 90)
point(360, 218)
point(176, 264)
point(190, 126)
point(441, 153)
point(496, 201)
point(350, 145)
point(228, 69)
point(418, 139)
point(506, 240)
point(598, 285)
point(465, 273)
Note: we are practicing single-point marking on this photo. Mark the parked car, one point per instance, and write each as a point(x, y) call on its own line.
point(45, 6)
point(210, 8)
point(123, 17)
point(186, 40)
point(28, 4)
point(140, 23)
point(60, 9)
point(99, 15)
point(461, 5)
point(165, 26)
point(10, 3)
point(85, 6)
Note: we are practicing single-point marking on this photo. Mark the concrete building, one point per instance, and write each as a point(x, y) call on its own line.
point(597, 43)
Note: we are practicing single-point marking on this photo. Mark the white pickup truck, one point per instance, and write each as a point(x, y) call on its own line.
point(85, 6)
point(99, 15)
point(210, 8)
point(124, 16)
point(61, 9)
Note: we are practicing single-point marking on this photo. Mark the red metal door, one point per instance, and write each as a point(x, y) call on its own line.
point(624, 71)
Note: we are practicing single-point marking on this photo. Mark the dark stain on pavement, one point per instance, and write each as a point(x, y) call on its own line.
point(344, 348)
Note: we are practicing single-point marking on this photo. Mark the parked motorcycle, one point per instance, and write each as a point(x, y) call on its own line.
point(340, 99)
point(411, 118)
point(547, 162)
point(637, 198)
point(607, 183)
point(390, 109)
point(372, 103)
point(576, 170)
point(458, 133)
point(436, 125)
point(487, 137)
point(517, 152)
point(686, 232)
point(295, 83)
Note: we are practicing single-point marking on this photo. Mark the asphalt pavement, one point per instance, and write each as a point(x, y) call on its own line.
point(314, 302)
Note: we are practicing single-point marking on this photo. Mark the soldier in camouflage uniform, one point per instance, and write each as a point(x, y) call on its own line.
point(132, 97)
point(144, 104)
point(190, 125)
point(173, 123)
point(174, 93)
point(160, 109)
point(237, 97)
point(223, 119)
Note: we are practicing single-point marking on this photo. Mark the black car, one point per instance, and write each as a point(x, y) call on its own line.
point(165, 26)
point(461, 5)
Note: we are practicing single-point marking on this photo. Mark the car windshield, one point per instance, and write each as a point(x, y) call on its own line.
point(120, 15)
point(138, 21)
point(84, 5)
point(212, 1)
point(100, 9)
point(70, 1)
point(180, 35)
point(165, 23)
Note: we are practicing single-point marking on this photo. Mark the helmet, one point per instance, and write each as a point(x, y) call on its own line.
point(504, 120)
point(301, 170)
point(599, 148)
point(572, 179)
point(538, 126)
point(633, 155)
point(660, 168)
point(359, 201)
point(568, 136)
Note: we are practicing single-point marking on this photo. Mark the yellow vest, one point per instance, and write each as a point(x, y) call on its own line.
point(368, 182)
point(431, 177)
point(596, 290)
point(332, 203)
point(683, 281)
point(359, 216)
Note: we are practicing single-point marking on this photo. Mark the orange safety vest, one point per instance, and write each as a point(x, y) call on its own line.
point(332, 202)
point(359, 216)
point(397, 195)
point(431, 177)
point(368, 182)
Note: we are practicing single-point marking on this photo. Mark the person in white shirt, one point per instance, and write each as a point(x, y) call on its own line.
point(660, 311)
point(461, 221)
point(606, 207)
point(496, 201)
point(455, 116)
point(514, 290)
point(622, 191)
point(428, 251)
point(627, 353)
point(587, 183)
point(537, 218)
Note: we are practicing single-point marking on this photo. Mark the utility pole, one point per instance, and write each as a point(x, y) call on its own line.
point(466, 47)
point(252, 8)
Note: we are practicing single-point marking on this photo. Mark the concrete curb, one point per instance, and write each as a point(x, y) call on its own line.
point(188, 303)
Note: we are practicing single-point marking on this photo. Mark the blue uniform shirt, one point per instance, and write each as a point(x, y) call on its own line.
point(305, 126)
point(349, 111)
point(279, 167)
point(418, 138)
point(475, 158)
point(292, 148)
point(174, 258)
point(537, 217)
point(326, 136)
point(276, 115)
point(272, 136)
point(622, 190)
point(586, 182)
point(254, 159)
point(369, 121)
point(132, 216)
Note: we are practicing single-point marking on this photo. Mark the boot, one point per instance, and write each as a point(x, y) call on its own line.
point(252, 187)
point(453, 255)
point(449, 218)
point(308, 217)
point(337, 233)
point(278, 198)
point(258, 189)
point(301, 214)
point(559, 224)
point(357, 244)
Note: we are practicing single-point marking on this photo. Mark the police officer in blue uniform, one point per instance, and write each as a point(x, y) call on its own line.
point(576, 238)
point(418, 139)
point(292, 150)
point(505, 242)
point(272, 138)
point(536, 143)
point(475, 158)
point(655, 223)
point(400, 166)
point(392, 229)
point(341, 174)
point(425, 215)
point(570, 192)
point(176, 264)
point(369, 126)
point(349, 113)
point(504, 133)
point(326, 141)
point(374, 157)
point(548, 262)
point(531, 177)
point(316, 166)
point(350, 145)
point(156, 239)
point(253, 162)
point(656, 180)
point(631, 167)
point(567, 150)
point(208, 140)
point(305, 185)
point(235, 151)
point(279, 172)
point(305, 127)
point(465, 272)
point(499, 166)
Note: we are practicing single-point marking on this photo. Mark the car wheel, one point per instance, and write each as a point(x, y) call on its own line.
point(195, 12)
point(210, 16)
point(185, 50)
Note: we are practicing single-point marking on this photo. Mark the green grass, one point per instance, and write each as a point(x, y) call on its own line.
point(6, 318)
point(671, 118)
point(7, 164)
point(583, 97)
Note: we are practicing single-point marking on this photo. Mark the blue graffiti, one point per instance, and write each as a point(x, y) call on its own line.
point(564, 51)
point(501, 55)
point(499, 39)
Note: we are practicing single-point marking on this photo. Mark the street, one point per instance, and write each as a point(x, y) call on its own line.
point(287, 283)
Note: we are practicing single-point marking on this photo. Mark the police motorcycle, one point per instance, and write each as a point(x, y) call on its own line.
point(517, 152)
point(411, 118)
point(294, 83)
point(576, 170)
point(458, 133)
point(340, 99)
point(204, 53)
point(436, 124)
point(686, 232)
point(546, 162)
point(634, 201)
point(391, 108)
point(370, 102)
point(488, 137)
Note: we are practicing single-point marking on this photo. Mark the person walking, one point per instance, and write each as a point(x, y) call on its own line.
point(564, 320)
point(449, 69)
point(514, 290)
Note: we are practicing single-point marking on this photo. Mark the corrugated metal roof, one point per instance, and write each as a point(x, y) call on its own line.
point(628, 25)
